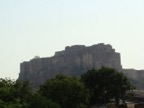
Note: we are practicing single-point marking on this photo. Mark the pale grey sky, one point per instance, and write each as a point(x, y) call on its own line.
point(41, 27)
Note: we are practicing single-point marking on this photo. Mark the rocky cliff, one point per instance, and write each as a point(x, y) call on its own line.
point(136, 77)
point(73, 61)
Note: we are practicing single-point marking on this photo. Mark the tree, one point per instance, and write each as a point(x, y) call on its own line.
point(14, 94)
point(68, 92)
point(5, 89)
point(106, 84)
point(22, 90)
point(39, 101)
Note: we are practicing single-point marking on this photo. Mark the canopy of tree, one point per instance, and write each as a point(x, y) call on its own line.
point(14, 94)
point(106, 84)
point(68, 92)
point(94, 87)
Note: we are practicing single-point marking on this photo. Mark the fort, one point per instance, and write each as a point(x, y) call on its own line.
point(74, 61)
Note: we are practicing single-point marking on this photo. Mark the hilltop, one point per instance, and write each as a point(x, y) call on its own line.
point(74, 61)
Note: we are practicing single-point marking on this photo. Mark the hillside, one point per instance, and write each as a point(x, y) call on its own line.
point(73, 61)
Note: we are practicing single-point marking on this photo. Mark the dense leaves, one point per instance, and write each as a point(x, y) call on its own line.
point(95, 87)
point(39, 101)
point(14, 94)
point(67, 91)
point(106, 84)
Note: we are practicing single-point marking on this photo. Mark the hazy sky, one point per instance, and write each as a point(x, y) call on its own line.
point(41, 27)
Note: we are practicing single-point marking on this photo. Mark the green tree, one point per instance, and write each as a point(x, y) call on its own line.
point(68, 92)
point(14, 94)
point(6, 86)
point(22, 90)
point(39, 101)
point(106, 84)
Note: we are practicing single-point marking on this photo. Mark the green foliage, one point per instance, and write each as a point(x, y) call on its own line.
point(68, 92)
point(39, 101)
point(106, 84)
point(14, 94)
point(22, 91)
point(95, 86)
point(6, 86)
point(11, 105)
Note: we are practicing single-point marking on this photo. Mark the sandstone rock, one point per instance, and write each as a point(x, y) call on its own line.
point(73, 61)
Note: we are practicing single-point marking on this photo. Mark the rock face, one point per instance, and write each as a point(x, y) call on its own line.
point(73, 61)
point(136, 77)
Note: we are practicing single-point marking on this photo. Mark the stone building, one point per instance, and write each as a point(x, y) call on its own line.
point(73, 61)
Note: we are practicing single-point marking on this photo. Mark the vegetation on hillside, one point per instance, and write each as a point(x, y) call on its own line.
point(105, 85)
point(95, 87)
